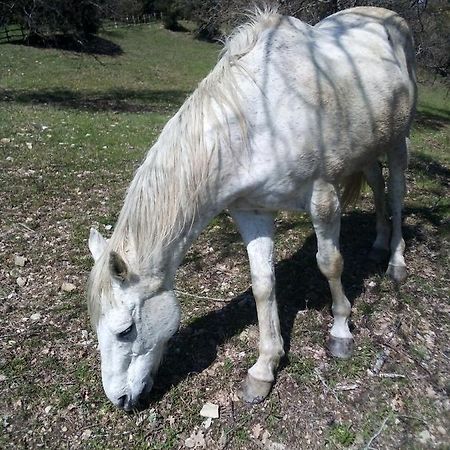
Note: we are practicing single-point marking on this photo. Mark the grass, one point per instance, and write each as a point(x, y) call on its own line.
point(73, 128)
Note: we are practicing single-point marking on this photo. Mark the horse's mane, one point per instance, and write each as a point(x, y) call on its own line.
point(168, 187)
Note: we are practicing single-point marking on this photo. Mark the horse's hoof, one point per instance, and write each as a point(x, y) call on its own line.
point(378, 255)
point(340, 347)
point(254, 391)
point(397, 273)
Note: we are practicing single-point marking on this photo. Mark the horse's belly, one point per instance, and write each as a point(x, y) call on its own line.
point(274, 191)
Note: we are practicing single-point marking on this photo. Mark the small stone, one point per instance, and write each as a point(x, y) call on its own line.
point(29, 145)
point(108, 227)
point(20, 261)
point(9, 158)
point(210, 410)
point(86, 435)
point(276, 446)
point(256, 430)
point(3, 378)
point(68, 287)
point(48, 409)
point(64, 429)
point(21, 281)
point(265, 437)
point(207, 423)
point(5, 140)
point(425, 436)
point(35, 316)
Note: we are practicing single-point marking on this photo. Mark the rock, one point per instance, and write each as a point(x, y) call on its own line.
point(9, 159)
point(3, 378)
point(108, 227)
point(86, 435)
point(48, 409)
point(29, 145)
point(35, 316)
point(425, 437)
point(20, 260)
point(210, 410)
point(256, 430)
point(68, 287)
point(207, 423)
point(196, 439)
point(5, 140)
point(21, 281)
point(275, 446)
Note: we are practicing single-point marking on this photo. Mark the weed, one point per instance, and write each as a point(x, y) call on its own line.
point(301, 368)
point(342, 434)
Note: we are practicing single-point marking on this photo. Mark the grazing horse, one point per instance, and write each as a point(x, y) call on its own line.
point(291, 117)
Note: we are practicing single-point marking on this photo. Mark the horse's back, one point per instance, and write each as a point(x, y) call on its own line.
point(326, 100)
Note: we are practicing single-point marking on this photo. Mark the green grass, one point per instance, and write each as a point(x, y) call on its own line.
point(342, 434)
point(84, 114)
point(73, 128)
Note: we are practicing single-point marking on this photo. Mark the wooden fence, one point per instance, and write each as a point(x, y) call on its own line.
point(10, 33)
point(126, 21)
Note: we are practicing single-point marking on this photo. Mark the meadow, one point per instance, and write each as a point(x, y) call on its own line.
point(74, 127)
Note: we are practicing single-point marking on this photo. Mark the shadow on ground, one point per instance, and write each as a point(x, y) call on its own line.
point(91, 45)
point(430, 168)
point(432, 118)
point(118, 100)
point(299, 285)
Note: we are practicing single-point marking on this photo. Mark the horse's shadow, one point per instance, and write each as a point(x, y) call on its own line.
point(299, 285)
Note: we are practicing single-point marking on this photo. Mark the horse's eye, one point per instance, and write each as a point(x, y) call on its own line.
point(126, 332)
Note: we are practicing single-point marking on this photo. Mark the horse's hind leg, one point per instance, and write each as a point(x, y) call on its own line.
point(374, 177)
point(257, 232)
point(397, 162)
point(326, 217)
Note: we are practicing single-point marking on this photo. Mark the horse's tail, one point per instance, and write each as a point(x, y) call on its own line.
point(352, 187)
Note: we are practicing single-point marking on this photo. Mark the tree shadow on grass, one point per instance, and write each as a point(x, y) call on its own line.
point(430, 168)
point(115, 100)
point(91, 45)
point(432, 118)
point(299, 285)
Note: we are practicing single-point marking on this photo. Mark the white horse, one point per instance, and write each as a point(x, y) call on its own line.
point(290, 116)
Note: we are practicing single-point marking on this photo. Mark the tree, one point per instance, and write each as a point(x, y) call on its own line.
point(429, 21)
point(47, 17)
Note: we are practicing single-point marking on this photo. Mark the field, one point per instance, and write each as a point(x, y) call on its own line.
point(73, 128)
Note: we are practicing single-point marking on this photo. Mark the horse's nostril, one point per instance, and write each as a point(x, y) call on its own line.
point(122, 401)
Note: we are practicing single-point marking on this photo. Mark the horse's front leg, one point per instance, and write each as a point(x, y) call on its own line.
point(326, 217)
point(257, 232)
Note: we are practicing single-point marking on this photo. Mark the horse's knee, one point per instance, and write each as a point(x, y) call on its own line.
point(325, 205)
point(263, 284)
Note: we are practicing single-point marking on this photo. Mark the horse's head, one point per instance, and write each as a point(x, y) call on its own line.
point(134, 319)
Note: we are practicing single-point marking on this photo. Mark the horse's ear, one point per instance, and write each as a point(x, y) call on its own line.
point(118, 267)
point(97, 244)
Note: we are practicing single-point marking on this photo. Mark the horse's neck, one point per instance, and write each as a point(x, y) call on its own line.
point(155, 246)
